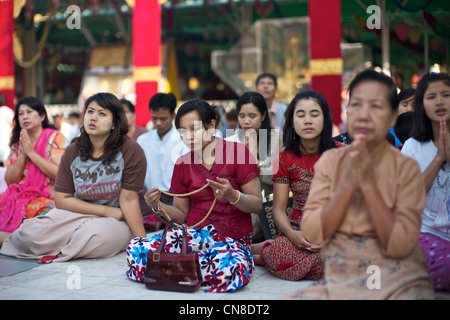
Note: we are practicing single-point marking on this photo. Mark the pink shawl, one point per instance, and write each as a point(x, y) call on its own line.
point(17, 196)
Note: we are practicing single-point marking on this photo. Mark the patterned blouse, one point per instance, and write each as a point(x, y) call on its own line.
point(298, 172)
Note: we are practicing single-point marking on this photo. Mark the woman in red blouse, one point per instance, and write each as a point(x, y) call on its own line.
point(222, 238)
point(307, 134)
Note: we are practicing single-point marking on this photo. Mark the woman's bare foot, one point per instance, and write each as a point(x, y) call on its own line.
point(256, 248)
point(3, 236)
point(258, 259)
point(256, 251)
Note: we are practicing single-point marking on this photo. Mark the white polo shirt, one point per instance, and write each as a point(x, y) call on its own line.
point(161, 156)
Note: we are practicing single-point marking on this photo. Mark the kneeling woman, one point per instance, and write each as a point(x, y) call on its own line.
point(96, 193)
point(222, 238)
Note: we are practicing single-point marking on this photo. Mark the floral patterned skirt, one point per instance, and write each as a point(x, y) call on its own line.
point(226, 263)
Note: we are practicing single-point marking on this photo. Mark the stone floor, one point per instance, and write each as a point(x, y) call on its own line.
point(105, 279)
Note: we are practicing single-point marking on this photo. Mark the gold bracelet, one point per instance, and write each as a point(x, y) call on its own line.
point(239, 196)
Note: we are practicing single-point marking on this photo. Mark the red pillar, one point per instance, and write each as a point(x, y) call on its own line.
point(147, 55)
point(325, 52)
point(6, 51)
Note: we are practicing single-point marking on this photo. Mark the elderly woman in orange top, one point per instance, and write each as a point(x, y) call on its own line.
point(365, 206)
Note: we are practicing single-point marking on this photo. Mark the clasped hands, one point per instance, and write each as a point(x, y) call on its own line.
point(26, 147)
point(299, 240)
point(443, 144)
point(362, 167)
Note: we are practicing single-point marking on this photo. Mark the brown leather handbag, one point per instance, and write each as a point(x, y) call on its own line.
point(173, 271)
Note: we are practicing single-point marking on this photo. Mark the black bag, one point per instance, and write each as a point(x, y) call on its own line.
point(268, 225)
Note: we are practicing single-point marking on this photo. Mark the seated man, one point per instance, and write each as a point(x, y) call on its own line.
point(162, 147)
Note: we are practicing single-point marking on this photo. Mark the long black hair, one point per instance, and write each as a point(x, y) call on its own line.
point(35, 104)
point(256, 99)
point(291, 139)
point(422, 130)
point(115, 140)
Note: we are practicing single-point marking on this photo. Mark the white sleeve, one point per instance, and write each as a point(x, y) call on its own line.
point(407, 148)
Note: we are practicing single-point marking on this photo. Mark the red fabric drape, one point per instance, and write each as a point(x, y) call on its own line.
point(325, 44)
point(147, 55)
point(6, 51)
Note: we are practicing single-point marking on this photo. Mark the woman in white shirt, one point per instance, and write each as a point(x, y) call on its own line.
point(430, 146)
point(256, 132)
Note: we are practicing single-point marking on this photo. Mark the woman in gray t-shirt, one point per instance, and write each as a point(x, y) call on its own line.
point(96, 193)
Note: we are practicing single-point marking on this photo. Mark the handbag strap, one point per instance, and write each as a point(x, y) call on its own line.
point(184, 246)
point(185, 195)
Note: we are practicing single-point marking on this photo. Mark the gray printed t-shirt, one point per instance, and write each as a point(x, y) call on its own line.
point(95, 182)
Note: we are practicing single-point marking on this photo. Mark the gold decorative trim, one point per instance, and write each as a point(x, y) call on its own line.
point(7, 83)
point(321, 67)
point(147, 74)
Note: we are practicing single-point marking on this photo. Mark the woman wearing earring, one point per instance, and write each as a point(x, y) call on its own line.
point(430, 146)
point(222, 237)
point(307, 133)
point(37, 148)
point(96, 193)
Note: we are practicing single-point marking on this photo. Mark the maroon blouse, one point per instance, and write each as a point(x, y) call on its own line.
point(234, 162)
